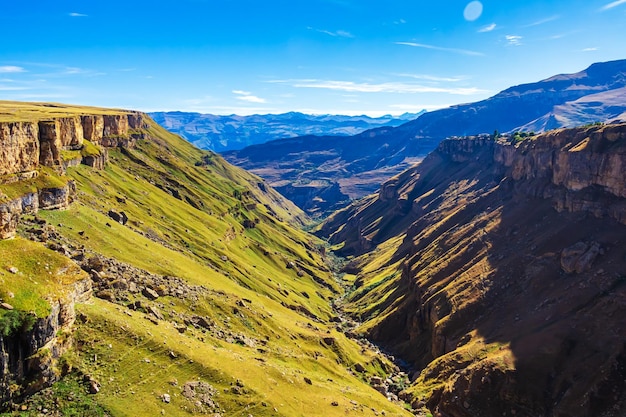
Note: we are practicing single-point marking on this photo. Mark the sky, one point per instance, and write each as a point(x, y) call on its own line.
point(316, 56)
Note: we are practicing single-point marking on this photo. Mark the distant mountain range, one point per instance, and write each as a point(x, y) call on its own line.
point(222, 133)
point(306, 170)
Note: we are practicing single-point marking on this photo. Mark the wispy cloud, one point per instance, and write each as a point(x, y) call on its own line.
point(11, 69)
point(431, 77)
point(613, 4)
point(248, 96)
point(514, 40)
point(81, 71)
point(589, 49)
point(399, 22)
point(387, 87)
point(543, 21)
point(487, 28)
point(441, 48)
point(11, 88)
point(74, 14)
point(334, 34)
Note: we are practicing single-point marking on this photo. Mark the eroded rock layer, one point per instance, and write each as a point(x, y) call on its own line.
point(24, 146)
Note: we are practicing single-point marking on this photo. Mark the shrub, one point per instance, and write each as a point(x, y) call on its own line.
point(14, 320)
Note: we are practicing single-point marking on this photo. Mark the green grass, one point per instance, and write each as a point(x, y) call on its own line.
point(186, 208)
point(17, 111)
point(89, 149)
point(47, 178)
point(43, 275)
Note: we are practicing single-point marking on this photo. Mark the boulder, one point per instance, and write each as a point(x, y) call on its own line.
point(579, 257)
point(150, 294)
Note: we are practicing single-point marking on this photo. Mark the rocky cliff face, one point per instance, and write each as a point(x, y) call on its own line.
point(19, 147)
point(26, 146)
point(28, 360)
point(93, 128)
point(497, 269)
point(11, 211)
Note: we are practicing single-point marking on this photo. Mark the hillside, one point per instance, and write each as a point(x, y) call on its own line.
point(224, 133)
point(496, 267)
point(141, 276)
point(355, 166)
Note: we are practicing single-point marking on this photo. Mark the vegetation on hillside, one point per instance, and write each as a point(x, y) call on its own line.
point(241, 323)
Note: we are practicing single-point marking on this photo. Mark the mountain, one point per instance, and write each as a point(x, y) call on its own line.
point(353, 167)
point(222, 133)
point(141, 276)
point(496, 268)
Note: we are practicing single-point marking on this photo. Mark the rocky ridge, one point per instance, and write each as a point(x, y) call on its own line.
point(496, 269)
point(359, 163)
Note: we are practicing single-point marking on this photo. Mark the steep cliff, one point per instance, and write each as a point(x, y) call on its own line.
point(496, 267)
point(29, 358)
point(26, 147)
point(19, 147)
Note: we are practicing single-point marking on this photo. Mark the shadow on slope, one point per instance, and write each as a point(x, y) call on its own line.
point(467, 282)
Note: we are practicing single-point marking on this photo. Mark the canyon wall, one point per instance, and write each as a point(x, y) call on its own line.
point(24, 146)
point(579, 170)
point(19, 147)
point(500, 273)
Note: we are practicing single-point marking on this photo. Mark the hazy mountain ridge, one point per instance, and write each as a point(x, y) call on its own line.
point(497, 268)
point(222, 133)
point(555, 102)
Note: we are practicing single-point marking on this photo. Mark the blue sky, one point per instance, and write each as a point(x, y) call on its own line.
point(317, 56)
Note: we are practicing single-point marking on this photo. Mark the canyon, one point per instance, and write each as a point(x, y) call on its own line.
point(496, 268)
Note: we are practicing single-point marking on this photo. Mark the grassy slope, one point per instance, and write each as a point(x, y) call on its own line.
point(208, 246)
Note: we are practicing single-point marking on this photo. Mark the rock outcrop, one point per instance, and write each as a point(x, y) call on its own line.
point(19, 147)
point(25, 146)
point(29, 359)
point(93, 128)
point(11, 211)
point(56, 198)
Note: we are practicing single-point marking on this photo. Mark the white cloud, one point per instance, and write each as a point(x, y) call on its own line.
point(431, 77)
point(248, 96)
point(74, 14)
point(440, 48)
point(514, 40)
point(487, 28)
point(589, 49)
point(11, 88)
point(334, 34)
point(542, 21)
point(11, 69)
point(387, 87)
point(613, 4)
